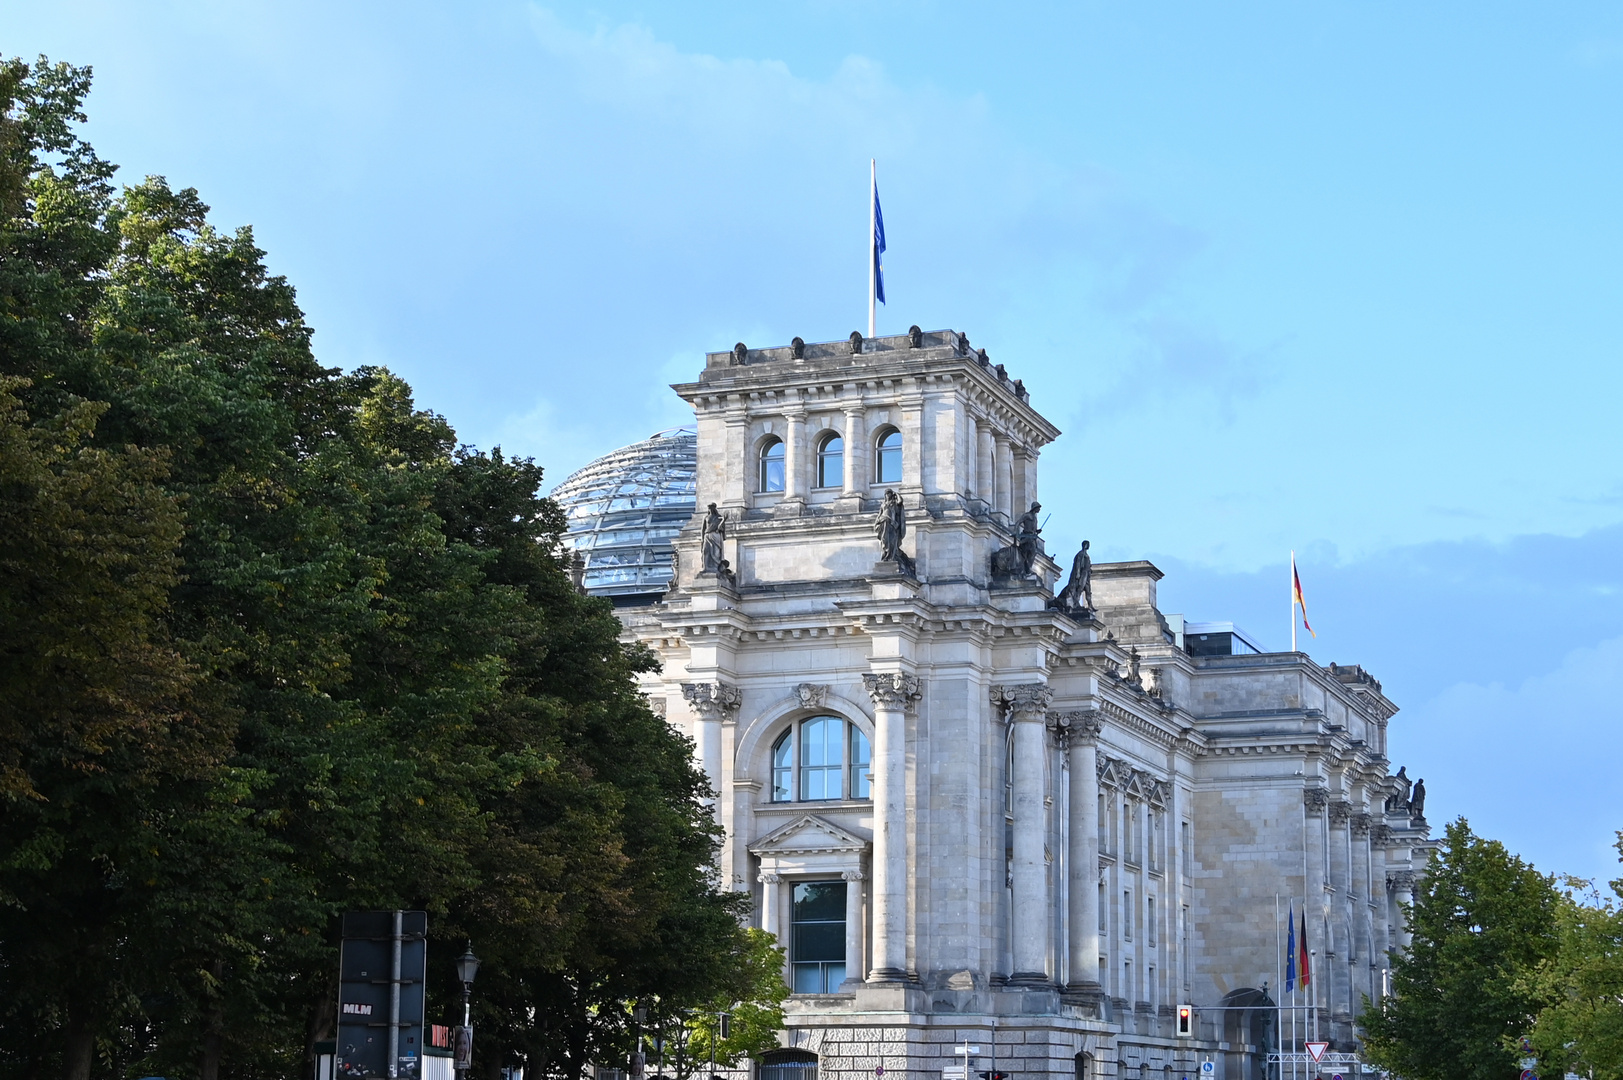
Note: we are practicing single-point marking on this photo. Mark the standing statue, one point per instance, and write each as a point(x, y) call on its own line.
point(711, 534)
point(890, 526)
point(1077, 596)
point(1417, 801)
point(1027, 537)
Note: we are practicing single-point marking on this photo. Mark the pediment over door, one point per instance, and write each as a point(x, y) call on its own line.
point(809, 835)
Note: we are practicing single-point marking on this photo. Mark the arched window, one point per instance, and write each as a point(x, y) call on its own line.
point(888, 459)
point(820, 758)
point(772, 465)
point(831, 461)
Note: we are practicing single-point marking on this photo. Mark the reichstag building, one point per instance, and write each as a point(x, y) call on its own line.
point(981, 796)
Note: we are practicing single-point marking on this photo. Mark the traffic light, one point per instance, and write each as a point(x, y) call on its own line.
point(723, 1026)
point(995, 1074)
point(1186, 1021)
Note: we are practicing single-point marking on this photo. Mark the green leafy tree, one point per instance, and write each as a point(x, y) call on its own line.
point(1481, 919)
point(1580, 1030)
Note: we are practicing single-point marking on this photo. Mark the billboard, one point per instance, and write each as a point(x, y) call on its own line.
point(381, 967)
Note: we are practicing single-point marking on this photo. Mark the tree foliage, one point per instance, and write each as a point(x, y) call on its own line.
point(1580, 1029)
point(276, 647)
point(1480, 919)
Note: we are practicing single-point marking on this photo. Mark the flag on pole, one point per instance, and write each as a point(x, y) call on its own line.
point(1296, 594)
point(1290, 951)
point(1303, 965)
point(878, 245)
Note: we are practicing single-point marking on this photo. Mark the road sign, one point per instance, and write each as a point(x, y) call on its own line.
point(1529, 1074)
point(1207, 1068)
point(965, 1048)
point(1335, 1076)
point(954, 1072)
point(1315, 1050)
point(1530, 1063)
point(381, 964)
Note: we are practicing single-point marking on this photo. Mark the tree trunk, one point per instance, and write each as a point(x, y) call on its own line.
point(80, 1046)
point(214, 1031)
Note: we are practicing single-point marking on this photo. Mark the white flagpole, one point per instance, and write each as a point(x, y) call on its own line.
point(873, 255)
point(1293, 601)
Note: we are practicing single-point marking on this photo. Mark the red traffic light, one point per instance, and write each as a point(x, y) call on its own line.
point(1186, 1020)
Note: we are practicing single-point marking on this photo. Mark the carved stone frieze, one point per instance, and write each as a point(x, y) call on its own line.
point(713, 701)
point(1022, 701)
point(1133, 783)
point(811, 695)
point(1315, 799)
point(892, 689)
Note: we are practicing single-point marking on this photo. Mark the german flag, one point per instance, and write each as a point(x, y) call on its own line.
point(1296, 594)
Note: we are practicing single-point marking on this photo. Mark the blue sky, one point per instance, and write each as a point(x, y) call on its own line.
point(1337, 277)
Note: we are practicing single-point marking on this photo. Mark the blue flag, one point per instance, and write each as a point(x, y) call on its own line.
point(1290, 951)
point(878, 247)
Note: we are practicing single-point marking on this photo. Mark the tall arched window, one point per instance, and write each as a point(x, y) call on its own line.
point(831, 461)
point(772, 465)
point(888, 459)
point(819, 758)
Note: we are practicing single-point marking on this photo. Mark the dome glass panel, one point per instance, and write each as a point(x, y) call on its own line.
point(625, 509)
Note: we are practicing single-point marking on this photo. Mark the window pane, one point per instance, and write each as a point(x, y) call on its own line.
point(831, 462)
point(820, 759)
point(783, 760)
point(772, 466)
point(819, 941)
point(889, 464)
point(820, 901)
point(809, 979)
point(861, 762)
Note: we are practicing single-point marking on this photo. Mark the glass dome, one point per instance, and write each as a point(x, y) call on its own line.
point(625, 508)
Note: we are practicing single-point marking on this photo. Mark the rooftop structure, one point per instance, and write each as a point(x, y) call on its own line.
point(625, 508)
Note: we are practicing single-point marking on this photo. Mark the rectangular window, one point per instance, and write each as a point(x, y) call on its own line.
point(1104, 909)
point(817, 937)
point(1127, 980)
point(1149, 921)
point(1104, 824)
point(1183, 945)
point(861, 764)
point(1127, 914)
point(1184, 851)
point(1152, 994)
point(1128, 852)
point(820, 758)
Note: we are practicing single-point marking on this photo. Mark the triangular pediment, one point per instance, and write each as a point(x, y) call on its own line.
point(808, 835)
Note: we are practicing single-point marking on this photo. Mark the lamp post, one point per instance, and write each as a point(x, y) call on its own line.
point(467, 966)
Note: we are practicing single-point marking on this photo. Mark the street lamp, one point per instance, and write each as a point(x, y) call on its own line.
point(467, 966)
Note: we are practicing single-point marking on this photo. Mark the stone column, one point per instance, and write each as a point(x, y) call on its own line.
point(794, 456)
point(739, 478)
point(985, 465)
point(853, 925)
point(771, 917)
point(1401, 884)
point(1380, 943)
point(1024, 706)
point(1338, 954)
point(893, 694)
point(1364, 944)
point(1002, 478)
point(855, 459)
point(711, 702)
point(1079, 735)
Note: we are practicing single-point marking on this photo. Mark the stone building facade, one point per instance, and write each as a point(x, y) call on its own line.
point(971, 811)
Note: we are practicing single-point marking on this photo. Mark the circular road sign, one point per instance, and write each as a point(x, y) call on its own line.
point(1529, 1074)
point(879, 1070)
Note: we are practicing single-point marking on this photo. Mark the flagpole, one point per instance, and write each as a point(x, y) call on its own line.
point(873, 256)
point(1279, 989)
point(1293, 601)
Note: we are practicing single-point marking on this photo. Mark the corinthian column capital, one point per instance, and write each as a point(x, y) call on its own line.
point(1022, 701)
point(712, 701)
point(892, 689)
point(1079, 727)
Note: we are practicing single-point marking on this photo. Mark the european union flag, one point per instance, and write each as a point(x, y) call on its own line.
point(878, 247)
point(1290, 949)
